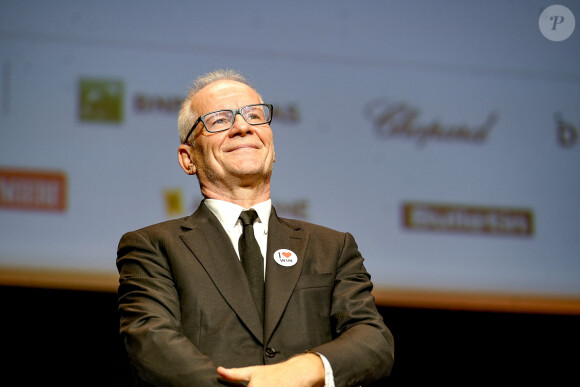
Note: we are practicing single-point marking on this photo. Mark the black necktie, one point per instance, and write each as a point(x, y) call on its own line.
point(252, 259)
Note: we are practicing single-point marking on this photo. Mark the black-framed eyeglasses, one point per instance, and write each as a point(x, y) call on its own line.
point(220, 120)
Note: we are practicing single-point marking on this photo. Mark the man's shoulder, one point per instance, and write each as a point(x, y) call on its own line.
point(167, 226)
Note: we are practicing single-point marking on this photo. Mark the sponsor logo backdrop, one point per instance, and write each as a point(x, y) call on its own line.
point(444, 138)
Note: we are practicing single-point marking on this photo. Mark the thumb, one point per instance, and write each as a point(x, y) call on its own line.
point(236, 374)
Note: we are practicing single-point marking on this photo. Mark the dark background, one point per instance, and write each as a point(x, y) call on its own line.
point(65, 337)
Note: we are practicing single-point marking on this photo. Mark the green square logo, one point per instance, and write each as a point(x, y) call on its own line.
point(101, 100)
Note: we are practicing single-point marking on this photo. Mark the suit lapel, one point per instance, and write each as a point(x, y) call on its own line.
point(281, 280)
point(209, 243)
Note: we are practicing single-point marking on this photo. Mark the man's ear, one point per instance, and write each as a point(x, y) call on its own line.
point(185, 157)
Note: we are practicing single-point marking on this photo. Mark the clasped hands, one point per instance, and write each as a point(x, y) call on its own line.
point(306, 370)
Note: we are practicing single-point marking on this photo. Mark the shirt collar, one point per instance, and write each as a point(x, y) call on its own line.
point(228, 213)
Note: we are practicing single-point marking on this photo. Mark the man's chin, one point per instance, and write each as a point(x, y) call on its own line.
point(251, 172)
point(249, 167)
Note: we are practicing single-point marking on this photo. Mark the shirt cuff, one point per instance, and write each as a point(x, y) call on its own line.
point(328, 375)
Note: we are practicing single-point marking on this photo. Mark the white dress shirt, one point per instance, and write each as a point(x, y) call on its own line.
point(228, 215)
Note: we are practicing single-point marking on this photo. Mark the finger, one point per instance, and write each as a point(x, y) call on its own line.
point(236, 374)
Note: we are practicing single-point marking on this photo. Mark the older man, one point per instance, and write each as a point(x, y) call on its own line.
point(233, 293)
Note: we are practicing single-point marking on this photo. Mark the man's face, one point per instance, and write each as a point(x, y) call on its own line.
point(242, 155)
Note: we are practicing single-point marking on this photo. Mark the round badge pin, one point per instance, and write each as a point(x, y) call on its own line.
point(285, 257)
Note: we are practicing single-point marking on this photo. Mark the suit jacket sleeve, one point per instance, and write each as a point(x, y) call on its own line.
point(150, 318)
point(362, 351)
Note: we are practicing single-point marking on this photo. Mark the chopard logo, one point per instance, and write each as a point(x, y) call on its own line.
point(399, 120)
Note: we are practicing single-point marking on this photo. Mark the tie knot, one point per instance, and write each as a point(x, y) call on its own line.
point(248, 217)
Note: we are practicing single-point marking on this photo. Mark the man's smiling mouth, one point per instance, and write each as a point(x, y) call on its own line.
point(242, 147)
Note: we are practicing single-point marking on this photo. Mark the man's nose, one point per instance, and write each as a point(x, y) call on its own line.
point(241, 126)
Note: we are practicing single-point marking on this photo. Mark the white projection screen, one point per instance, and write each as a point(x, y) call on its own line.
point(443, 135)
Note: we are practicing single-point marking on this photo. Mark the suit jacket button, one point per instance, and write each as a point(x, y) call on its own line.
point(270, 352)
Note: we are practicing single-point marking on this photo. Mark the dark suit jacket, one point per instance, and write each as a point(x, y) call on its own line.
point(186, 305)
